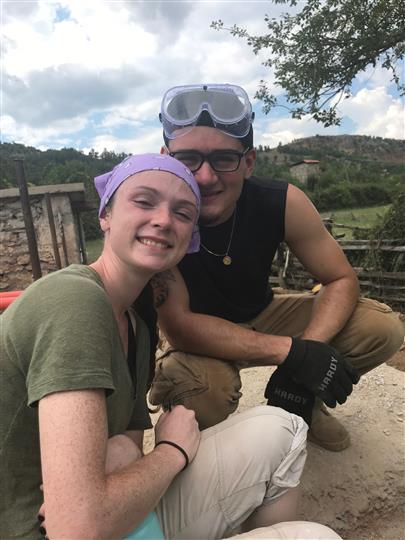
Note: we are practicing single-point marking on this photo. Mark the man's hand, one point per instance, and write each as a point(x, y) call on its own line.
point(179, 426)
point(282, 391)
point(321, 369)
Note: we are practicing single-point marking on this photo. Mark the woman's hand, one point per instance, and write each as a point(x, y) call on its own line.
point(179, 426)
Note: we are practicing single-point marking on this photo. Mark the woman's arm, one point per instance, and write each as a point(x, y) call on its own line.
point(121, 451)
point(82, 501)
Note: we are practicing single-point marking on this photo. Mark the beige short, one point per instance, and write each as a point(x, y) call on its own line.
point(246, 461)
point(291, 530)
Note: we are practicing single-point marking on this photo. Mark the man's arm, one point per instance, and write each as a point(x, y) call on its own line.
point(322, 256)
point(310, 362)
point(82, 501)
point(207, 335)
point(212, 336)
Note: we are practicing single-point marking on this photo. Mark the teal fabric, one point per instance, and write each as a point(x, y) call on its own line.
point(149, 529)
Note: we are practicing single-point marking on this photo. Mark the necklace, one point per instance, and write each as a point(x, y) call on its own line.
point(226, 258)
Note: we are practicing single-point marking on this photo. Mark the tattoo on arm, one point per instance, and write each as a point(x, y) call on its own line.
point(160, 286)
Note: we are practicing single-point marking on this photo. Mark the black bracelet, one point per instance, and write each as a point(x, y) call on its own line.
point(171, 443)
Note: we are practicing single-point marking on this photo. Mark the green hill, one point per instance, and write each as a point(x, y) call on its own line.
point(355, 171)
point(350, 147)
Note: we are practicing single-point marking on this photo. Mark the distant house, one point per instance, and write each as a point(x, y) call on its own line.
point(304, 169)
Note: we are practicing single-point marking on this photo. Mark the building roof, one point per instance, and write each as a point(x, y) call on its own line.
point(306, 161)
point(74, 191)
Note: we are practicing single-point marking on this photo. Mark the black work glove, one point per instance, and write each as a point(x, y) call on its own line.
point(282, 391)
point(321, 369)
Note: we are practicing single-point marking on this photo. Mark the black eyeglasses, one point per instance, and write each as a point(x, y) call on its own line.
point(219, 160)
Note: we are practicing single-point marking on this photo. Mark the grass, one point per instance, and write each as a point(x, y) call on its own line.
point(356, 217)
point(353, 217)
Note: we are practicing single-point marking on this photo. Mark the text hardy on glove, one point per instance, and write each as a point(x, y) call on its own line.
point(321, 369)
point(282, 391)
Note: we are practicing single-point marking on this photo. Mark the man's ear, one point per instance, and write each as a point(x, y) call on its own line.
point(250, 159)
point(164, 150)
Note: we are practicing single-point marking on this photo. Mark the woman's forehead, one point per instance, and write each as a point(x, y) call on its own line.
point(162, 182)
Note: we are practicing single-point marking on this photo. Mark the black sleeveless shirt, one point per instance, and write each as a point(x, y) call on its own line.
point(240, 291)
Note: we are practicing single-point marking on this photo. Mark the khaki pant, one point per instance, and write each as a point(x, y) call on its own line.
point(249, 460)
point(211, 387)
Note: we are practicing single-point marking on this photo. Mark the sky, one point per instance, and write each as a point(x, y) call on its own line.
point(90, 74)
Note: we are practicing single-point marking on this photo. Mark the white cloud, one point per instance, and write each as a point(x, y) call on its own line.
point(150, 141)
point(91, 73)
point(100, 37)
point(58, 135)
point(371, 111)
point(284, 130)
point(133, 115)
point(374, 77)
point(66, 91)
point(375, 112)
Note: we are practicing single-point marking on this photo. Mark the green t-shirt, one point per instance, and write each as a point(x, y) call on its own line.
point(61, 334)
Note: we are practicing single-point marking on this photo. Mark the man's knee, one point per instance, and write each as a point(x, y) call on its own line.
point(208, 386)
point(373, 334)
point(390, 332)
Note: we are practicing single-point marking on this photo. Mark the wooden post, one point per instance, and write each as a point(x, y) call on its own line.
point(62, 234)
point(82, 243)
point(51, 221)
point(29, 225)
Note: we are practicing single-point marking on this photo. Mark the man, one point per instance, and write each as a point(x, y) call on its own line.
point(217, 307)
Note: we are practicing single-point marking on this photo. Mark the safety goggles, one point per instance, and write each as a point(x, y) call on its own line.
point(228, 106)
point(219, 160)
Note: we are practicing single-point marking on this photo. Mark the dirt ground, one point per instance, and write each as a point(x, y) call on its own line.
point(359, 492)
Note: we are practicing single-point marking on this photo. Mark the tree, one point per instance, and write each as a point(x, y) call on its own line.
point(317, 52)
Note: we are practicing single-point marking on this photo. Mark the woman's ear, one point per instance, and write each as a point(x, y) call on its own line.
point(104, 220)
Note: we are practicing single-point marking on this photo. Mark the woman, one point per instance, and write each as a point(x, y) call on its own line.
point(73, 330)
point(77, 354)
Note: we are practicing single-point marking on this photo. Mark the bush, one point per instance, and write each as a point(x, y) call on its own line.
point(333, 197)
point(390, 227)
point(370, 194)
point(346, 195)
point(392, 224)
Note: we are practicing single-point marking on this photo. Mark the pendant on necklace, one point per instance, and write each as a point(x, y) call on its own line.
point(227, 260)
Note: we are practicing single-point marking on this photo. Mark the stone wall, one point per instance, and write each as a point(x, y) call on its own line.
point(15, 265)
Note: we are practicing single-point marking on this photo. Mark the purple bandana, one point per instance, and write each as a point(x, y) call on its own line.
point(106, 184)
